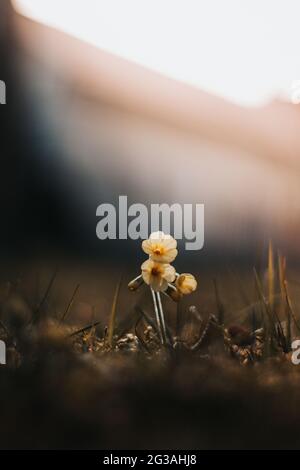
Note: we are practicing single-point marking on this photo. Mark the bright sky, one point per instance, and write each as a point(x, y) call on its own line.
point(246, 51)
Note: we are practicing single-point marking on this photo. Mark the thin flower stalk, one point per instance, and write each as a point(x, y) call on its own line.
point(161, 277)
point(159, 326)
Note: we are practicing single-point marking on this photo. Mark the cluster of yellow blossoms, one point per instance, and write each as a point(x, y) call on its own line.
point(157, 271)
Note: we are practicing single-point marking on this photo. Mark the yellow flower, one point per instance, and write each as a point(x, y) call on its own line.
point(157, 275)
point(186, 283)
point(160, 247)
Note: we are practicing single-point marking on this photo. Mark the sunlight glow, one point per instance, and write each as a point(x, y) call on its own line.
point(247, 52)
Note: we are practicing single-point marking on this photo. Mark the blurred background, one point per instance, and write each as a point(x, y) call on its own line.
point(162, 101)
point(180, 103)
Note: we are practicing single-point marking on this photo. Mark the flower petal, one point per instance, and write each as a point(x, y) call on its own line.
point(157, 235)
point(158, 283)
point(147, 247)
point(169, 256)
point(169, 273)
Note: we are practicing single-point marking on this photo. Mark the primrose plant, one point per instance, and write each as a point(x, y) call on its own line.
point(161, 276)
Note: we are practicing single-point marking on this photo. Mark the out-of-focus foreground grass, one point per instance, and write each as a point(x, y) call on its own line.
point(226, 379)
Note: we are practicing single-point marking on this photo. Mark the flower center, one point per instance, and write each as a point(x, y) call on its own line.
point(155, 271)
point(157, 251)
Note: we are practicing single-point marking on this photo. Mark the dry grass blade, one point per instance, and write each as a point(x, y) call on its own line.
point(220, 305)
point(253, 321)
point(282, 273)
point(245, 313)
point(147, 318)
point(112, 318)
point(268, 323)
point(264, 301)
point(274, 328)
point(92, 331)
point(271, 276)
point(271, 284)
point(289, 305)
point(65, 314)
point(284, 302)
point(35, 316)
point(142, 342)
point(259, 287)
point(85, 328)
